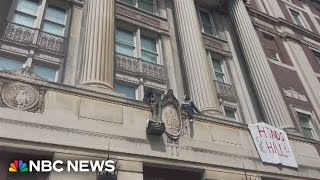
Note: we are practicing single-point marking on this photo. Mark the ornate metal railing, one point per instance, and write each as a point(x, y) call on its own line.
point(126, 63)
point(226, 91)
point(18, 33)
point(153, 70)
point(51, 42)
point(134, 65)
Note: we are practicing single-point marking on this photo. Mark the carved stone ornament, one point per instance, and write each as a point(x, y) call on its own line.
point(292, 93)
point(170, 115)
point(20, 96)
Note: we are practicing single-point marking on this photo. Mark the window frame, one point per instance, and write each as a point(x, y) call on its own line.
point(315, 56)
point(311, 122)
point(137, 33)
point(66, 20)
point(135, 3)
point(40, 16)
point(29, 62)
point(51, 65)
point(231, 107)
point(134, 86)
point(213, 25)
point(276, 53)
point(223, 67)
point(13, 11)
point(299, 17)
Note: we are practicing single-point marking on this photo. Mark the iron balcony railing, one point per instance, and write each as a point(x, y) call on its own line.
point(133, 65)
point(226, 91)
point(26, 35)
point(18, 33)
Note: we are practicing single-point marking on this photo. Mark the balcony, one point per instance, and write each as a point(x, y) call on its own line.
point(18, 33)
point(51, 42)
point(131, 65)
point(26, 35)
point(226, 91)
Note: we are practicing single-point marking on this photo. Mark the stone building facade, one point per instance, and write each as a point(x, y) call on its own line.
point(73, 75)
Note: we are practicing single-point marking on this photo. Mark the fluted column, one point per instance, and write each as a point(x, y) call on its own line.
point(200, 81)
point(269, 95)
point(98, 51)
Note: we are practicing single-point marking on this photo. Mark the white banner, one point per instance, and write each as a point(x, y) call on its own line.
point(272, 144)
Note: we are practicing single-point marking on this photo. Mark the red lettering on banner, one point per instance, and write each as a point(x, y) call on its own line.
point(262, 131)
point(281, 137)
point(269, 146)
point(275, 134)
point(275, 148)
point(284, 153)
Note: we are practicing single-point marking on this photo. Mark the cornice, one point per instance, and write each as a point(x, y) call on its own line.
point(285, 35)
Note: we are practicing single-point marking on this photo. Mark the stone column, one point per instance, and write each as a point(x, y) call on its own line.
point(269, 95)
point(199, 78)
point(98, 49)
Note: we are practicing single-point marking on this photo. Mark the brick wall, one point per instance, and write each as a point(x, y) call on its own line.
point(311, 58)
point(297, 2)
point(274, 43)
point(285, 11)
point(312, 26)
point(287, 79)
point(253, 4)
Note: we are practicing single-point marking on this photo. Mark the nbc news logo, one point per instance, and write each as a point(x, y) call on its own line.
point(18, 166)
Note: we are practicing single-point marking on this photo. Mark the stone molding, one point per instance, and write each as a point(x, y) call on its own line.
point(143, 17)
point(280, 21)
point(292, 93)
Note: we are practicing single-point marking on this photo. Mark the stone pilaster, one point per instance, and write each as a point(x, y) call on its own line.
point(269, 95)
point(199, 78)
point(98, 49)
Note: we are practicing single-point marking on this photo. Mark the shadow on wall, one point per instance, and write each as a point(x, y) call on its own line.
point(157, 143)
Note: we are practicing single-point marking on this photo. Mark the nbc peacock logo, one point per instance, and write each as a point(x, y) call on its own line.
point(18, 166)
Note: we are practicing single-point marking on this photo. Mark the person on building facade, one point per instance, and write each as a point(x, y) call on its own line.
point(189, 107)
point(152, 102)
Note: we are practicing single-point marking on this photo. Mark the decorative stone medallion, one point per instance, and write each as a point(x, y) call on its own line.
point(20, 96)
point(171, 116)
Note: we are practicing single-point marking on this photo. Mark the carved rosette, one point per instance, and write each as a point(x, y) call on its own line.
point(170, 115)
point(22, 96)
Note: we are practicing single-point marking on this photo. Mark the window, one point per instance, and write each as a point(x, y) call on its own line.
point(296, 18)
point(317, 56)
point(54, 20)
point(26, 12)
point(128, 91)
point(231, 113)
point(49, 74)
point(157, 95)
point(146, 5)
point(125, 42)
point(219, 74)
point(127, 1)
point(306, 125)
point(147, 47)
point(207, 25)
point(10, 64)
point(274, 55)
